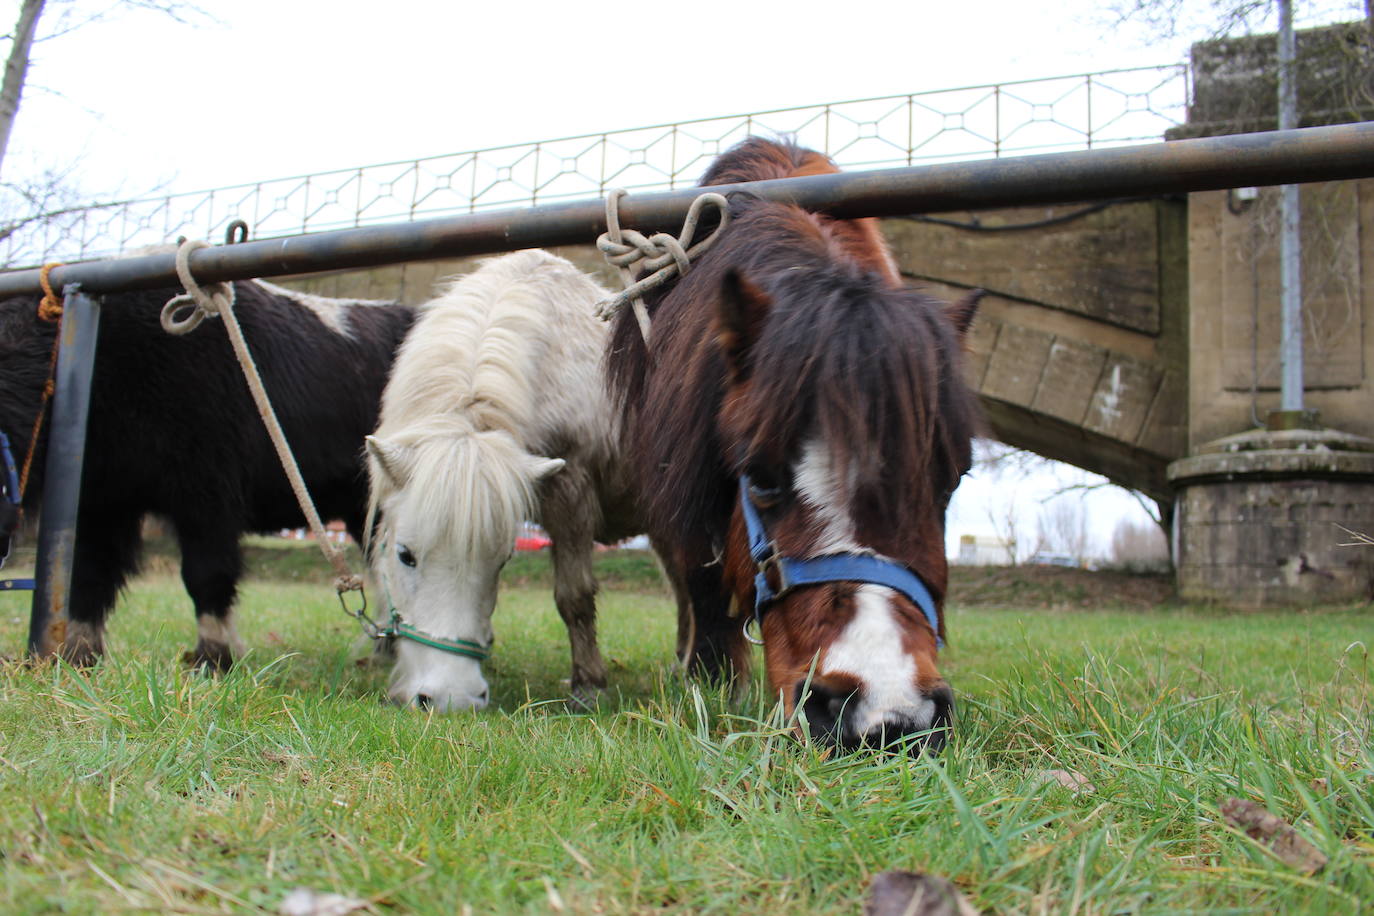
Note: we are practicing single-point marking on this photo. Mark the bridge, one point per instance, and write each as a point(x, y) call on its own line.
point(1071, 355)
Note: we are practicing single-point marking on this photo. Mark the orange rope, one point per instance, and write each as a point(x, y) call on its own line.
point(49, 310)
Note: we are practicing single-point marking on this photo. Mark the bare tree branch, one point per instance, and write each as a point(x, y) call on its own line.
point(73, 18)
point(17, 69)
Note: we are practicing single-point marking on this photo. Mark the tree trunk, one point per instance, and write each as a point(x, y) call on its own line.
point(16, 69)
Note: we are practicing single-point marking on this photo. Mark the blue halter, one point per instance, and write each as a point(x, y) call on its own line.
point(836, 567)
point(9, 478)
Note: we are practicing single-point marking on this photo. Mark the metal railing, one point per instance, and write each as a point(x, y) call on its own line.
point(1313, 154)
point(977, 122)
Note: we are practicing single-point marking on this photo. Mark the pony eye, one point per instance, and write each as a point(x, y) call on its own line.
point(406, 557)
point(765, 490)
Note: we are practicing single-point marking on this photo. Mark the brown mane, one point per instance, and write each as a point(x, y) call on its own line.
point(758, 159)
point(838, 337)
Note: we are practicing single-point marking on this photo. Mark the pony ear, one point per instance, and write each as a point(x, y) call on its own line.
point(740, 315)
point(545, 467)
point(393, 459)
point(961, 311)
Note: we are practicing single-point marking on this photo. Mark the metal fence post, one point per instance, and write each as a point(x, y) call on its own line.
point(62, 473)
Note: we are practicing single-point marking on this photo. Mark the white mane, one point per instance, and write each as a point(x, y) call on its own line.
point(479, 384)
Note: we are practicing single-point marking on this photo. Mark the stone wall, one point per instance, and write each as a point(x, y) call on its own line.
point(1080, 349)
point(1235, 81)
point(1234, 324)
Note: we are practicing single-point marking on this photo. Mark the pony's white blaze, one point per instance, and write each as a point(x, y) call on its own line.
point(870, 649)
point(814, 479)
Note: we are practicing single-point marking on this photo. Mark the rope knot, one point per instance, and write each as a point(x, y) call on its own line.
point(50, 308)
point(664, 255)
point(204, 302)
point(348, 583)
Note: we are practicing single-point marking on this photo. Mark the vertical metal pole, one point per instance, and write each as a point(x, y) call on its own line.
point(1290, 241)
point(62, 472)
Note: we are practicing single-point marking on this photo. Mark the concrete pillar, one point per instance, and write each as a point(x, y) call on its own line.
point(1264, 518)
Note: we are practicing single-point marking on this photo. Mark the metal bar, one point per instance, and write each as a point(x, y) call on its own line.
point(1311, 154)
point(62, 472)
point(1290, 241)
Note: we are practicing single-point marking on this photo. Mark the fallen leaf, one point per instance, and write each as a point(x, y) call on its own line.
point(909, 893)
point(1273, 831)
point(305, 902)
point(1075, 782)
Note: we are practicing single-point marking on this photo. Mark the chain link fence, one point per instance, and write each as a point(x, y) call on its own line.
point(976, 122)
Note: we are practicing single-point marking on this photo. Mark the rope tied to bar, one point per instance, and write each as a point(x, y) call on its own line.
point(218, 301)
point(202, 302)
point(49, 310)
point(666, 256)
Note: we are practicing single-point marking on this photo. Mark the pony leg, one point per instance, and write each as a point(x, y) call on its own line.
point(211, 563)
point(718, 650)
point(671, 567)
point(569, 515)
point(106, 555)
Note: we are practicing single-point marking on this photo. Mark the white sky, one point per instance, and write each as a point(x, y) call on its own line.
point(280, 87)
point(284, 87)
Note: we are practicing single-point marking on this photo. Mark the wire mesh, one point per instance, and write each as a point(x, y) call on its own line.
point(977, 122)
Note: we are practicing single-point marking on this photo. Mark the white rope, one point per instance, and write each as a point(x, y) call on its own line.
point(668, 257)
point(218, 302)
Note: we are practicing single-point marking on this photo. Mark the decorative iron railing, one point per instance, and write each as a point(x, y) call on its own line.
point(975, 122)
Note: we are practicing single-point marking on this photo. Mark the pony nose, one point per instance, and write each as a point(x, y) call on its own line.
point(825, 710)
point(424, 700)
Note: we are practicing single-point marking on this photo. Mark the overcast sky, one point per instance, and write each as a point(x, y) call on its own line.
point(277, 87)
point(271, 88)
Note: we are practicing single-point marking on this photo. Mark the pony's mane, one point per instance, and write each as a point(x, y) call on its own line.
point(468, 489)
point(842, 352)
point(760, 159)
point(865, 367)
point(462, 396)
point(473, 350)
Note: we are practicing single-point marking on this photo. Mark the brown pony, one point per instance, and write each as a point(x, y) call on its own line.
point(790, 368)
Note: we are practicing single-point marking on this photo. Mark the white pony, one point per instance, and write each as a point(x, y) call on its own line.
point(495, 412)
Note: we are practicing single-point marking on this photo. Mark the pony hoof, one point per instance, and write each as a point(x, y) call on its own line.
point(80, 656)
point(586, 696)
point(82, 645)
point(213, 658)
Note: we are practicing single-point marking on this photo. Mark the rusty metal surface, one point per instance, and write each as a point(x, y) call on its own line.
point(62, 473)
point(1275, 157)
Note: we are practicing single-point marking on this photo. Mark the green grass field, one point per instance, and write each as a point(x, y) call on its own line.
point(138, 787)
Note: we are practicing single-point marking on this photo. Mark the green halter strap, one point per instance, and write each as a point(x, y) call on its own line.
point(397, 628)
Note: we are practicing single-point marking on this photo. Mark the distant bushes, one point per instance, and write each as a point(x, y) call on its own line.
point(1139, 547)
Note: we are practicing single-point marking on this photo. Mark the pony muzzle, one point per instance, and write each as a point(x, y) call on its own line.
point(431, 679)
point(842, 717)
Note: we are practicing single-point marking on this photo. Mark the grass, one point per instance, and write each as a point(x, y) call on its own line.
point(138, 787)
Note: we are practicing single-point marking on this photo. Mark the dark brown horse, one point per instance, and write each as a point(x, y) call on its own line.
point(790, 377)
